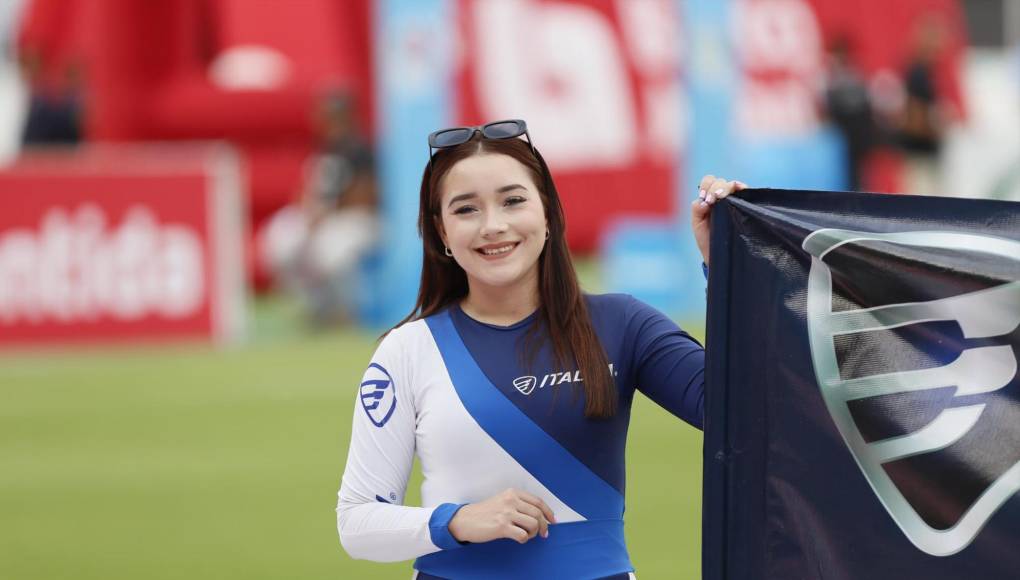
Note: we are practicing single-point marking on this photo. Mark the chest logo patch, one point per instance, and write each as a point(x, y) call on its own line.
point(378, 396)
point(525, 384)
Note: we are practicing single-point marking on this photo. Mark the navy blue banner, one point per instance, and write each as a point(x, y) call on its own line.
point(863, 409)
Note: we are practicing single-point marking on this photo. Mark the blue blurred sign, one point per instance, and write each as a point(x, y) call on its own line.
point(413, 71)
point(639, 257)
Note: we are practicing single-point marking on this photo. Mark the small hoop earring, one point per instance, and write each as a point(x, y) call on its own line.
point(447, 251)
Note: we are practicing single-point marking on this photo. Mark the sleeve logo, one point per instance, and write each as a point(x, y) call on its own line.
point(378, 396)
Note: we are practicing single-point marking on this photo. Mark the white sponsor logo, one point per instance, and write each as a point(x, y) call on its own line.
point(75, 268)
point(527, 384)
point(993, 312)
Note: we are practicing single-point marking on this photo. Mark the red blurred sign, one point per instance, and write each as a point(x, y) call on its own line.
point(599, 84)
point(121, 244)
point(781, 54)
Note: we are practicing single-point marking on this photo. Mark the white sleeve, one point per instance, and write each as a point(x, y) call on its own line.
point(372, 523)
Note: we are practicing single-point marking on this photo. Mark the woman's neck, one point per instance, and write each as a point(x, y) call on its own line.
point(501, 306)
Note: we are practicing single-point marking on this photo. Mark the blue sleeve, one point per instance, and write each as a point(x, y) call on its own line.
point(439, 526)
point(669, 365)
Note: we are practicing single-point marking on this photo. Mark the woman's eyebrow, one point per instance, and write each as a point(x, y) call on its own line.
point(472, 194)
point(510, 187)
point(461, 197)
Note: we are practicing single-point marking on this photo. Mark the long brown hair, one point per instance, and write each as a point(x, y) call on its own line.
point(562, 311)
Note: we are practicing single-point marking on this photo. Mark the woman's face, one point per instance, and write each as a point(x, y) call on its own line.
point(493, 220)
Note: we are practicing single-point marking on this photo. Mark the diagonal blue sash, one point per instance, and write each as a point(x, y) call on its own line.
point(534, 449)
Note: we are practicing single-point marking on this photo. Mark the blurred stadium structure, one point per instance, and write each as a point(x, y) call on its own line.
point(629, 100)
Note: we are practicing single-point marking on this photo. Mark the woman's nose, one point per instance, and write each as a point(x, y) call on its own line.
point(494, 224)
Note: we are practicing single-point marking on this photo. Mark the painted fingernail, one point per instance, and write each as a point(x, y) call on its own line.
point(701, 193)
point(719, 191)
point(710, 198)
point(703, 203)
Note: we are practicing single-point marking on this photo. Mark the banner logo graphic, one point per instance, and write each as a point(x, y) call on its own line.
point(988, 313)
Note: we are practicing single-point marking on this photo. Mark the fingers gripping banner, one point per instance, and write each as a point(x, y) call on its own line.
point(863, 414)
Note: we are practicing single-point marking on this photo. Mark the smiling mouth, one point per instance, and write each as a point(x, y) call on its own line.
point(497, 251)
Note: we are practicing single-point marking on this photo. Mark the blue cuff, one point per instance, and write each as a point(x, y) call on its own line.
point(439, 526)
point(704, 269)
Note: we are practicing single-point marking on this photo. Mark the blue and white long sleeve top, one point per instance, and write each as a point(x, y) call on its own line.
point(459, 394)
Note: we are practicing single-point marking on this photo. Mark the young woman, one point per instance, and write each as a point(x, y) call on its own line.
point(512, 386)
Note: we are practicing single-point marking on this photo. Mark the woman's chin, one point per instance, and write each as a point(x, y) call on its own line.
point(509, 278)
point(497, 281)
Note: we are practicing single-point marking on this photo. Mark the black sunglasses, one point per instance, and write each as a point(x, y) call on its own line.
point(506, 129)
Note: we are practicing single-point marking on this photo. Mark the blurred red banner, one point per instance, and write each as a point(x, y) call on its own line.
point(116, 244)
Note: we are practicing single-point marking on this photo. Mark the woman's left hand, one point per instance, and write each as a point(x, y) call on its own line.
point(711, 190)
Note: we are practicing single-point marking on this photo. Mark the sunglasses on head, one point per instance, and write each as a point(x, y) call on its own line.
point(506, 129)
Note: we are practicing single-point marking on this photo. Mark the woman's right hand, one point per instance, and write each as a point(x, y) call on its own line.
point(711, 190)
point(513, 514)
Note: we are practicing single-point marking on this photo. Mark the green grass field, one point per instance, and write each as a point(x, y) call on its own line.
point(190, 462)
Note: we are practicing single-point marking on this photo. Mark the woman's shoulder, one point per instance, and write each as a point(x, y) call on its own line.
point(613, 303)
point(622, 309)
point(404, 335)
point(611, 300)
point(403, 347)
point(611, 310)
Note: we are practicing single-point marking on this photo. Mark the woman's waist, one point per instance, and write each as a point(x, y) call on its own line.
point(584, 549)
point(579, 507)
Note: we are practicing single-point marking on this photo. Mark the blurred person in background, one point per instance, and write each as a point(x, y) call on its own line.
point(848, 107)
point(49, 54)
point(511, 386)
point(924, 115)
point(315, 247)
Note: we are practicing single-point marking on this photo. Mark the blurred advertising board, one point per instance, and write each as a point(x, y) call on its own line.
point(600, 86)
point(631, 102)
point(122, 243)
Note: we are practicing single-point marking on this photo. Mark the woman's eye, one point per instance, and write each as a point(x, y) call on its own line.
point(464, 209)
point(514, 200)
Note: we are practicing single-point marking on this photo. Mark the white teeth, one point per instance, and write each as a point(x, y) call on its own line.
point(498, 251)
